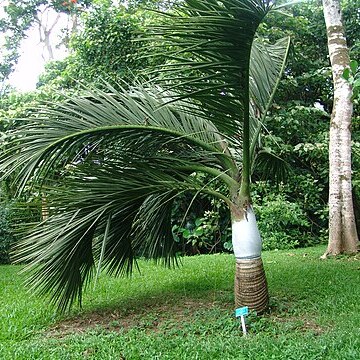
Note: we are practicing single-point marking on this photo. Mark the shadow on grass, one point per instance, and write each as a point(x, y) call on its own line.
point(147, 312)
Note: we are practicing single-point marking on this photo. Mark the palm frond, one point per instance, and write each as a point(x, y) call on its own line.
point(131, 204)
point(271, 167)
point(68, 132)
point(267, 66)
point(153, 227)
point(61, 256)
point(209, 63)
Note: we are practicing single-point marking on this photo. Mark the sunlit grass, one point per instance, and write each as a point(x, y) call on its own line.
point(187, 313)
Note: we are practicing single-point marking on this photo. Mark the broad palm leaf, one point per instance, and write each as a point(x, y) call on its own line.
point(112, 162)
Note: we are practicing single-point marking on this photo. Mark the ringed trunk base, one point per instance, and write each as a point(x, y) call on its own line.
point(250, 285)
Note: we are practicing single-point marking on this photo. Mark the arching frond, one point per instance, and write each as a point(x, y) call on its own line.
point(133, 202)
point(65, 133)
point(209, 63)
point(267, 66)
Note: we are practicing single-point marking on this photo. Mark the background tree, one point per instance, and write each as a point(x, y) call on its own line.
point(107, 48)
point(342, 227)
point(21, 15)
point(104, 50)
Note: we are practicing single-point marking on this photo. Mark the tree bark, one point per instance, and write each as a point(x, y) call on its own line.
point(343, 236)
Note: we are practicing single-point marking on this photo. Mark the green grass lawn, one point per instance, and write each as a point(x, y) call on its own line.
point(187, 313)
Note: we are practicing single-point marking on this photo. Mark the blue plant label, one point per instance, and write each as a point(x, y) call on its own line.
point(242, 311)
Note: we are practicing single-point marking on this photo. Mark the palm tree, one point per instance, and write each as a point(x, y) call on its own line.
point(113, 162)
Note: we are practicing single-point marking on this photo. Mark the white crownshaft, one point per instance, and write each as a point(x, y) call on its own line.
point(246, 238)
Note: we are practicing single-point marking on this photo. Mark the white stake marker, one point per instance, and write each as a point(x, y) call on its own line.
point(241, 313)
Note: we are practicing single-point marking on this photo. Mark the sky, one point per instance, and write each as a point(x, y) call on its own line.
point(31, 63)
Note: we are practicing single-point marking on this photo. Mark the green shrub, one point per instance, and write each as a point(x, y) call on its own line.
point(282, 224)
point(203, 228)
point(15, 217)
point(6, 235)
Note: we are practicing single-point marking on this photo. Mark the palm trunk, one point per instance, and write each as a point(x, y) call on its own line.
point(250, 281)
point(343, 236)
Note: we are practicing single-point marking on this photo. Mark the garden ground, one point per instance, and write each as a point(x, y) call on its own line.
point(188, 313)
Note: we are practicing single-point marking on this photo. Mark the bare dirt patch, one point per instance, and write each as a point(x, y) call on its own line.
point(149, 317)
point(313, 326)
point(297, 323)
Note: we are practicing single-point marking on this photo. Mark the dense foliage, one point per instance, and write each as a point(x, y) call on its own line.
point(296, 128)
point(105, 50)
point(6, 236)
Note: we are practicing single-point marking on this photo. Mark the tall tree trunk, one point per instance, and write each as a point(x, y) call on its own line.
point(343, 236)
